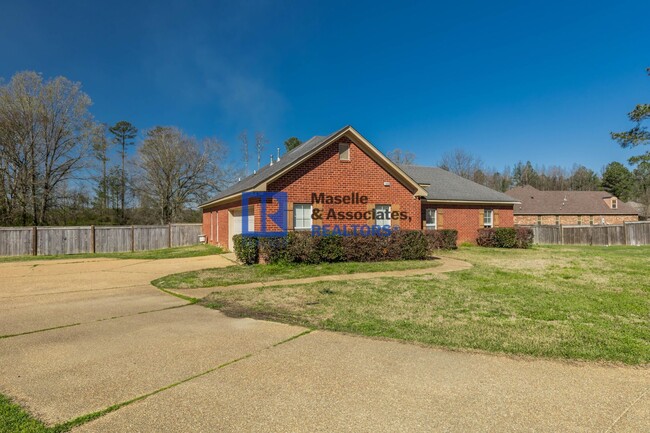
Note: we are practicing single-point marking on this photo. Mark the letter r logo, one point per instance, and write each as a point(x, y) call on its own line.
point(277, 218)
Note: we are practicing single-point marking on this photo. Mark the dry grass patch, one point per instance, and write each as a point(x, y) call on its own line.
point(590, 303)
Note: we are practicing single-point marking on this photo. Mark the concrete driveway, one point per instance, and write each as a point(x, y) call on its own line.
point(84, 335)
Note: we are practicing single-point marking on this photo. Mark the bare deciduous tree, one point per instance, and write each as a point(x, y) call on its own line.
point(100, 152)
point(45, 130)
point(177, 171)
point(461, 163)
point(243, 138)
point(260, 141)
point(400, 156)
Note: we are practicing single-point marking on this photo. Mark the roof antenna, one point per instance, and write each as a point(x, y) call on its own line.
point(271, 160)
point(278, 155)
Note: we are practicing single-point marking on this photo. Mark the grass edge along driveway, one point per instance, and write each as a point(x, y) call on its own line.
point(198, 250)
point(240, 274)
point(570, 302)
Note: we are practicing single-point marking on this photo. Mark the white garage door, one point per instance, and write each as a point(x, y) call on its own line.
point(235, 226)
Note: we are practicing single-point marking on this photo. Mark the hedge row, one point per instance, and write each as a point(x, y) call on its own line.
point(302, 247)
point(505, 237)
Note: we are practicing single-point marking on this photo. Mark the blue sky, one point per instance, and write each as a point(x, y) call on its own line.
point(508, 81)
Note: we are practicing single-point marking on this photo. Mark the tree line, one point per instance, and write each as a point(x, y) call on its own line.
point(614, 178)
point(60, 166)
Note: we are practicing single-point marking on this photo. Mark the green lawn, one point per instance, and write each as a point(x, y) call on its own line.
point(589, 303)
point(165, 253)
point(13, 419)
point(231, 275)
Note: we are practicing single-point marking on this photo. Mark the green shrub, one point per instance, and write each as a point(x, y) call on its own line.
point(246, 249)
point(302, 247)
point(505, 237)
point(365, 248)
point(274, 250)
point(445, 239)
point(410, 244)
point(330, 248)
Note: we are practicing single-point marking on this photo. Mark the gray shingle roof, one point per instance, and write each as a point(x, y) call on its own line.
point(444, 185)
point(536, 202)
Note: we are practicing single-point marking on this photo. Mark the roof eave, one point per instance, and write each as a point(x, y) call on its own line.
point(222, 200)
point(492, 202)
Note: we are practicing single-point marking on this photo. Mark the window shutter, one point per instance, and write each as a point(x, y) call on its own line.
point(496, 218)
point(344, 151)
point(394, 208)
point(290, 216)
point(439, 219)
point(481, 216)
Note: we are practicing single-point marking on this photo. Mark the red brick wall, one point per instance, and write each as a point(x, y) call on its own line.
point(326, 173)
point(466, 218)
point(217, 231)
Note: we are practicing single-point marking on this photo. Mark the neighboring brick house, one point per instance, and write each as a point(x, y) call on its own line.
point(372, 190)
point(569, 207)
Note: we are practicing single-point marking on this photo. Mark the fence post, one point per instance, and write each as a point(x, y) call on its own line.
point(34, 241)
point(132, 238)
point(561, 235)
point(625, 225)
point(169, 235)
point(92, 238)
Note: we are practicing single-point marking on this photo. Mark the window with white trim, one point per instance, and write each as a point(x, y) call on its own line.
point(382, 214)
point(487, 218)
point(302, 216)
point(432, 218)
point(614, 203)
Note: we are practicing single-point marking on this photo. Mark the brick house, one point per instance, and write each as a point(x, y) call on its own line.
point(347, 181)
point(569, 207)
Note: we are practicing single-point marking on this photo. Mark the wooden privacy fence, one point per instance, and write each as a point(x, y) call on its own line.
point(42, 241)
point(633, 233)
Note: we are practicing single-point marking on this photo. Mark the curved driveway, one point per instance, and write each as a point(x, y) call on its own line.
point(83, 335)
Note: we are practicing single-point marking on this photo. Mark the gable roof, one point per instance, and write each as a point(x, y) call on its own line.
point(442, 185)
point(259, 180)
point(536, 202)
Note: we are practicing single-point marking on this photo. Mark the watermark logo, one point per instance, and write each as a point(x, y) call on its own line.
point(278, 218)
